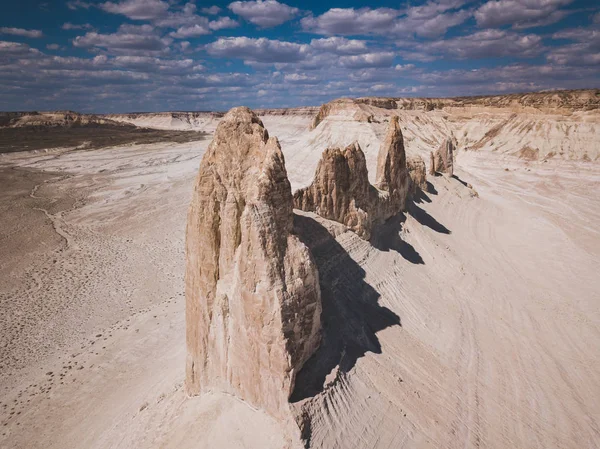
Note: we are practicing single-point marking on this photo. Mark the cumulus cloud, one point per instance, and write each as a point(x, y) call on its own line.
point(15, 48)
point(378, 59)
point(585, 50)
point(520, 13)
point(78, 4)
point(258, 50)
point(301, 78)
point(127, 38)
point(340, 45)
point(137, 9)
point(53, 46)
point(190, 31)
point(482, 44)
point(351, 21)
point(431, 19)
point(264, 13)
point(71, 26)
point(213, 10)
point(21, 32)
point(223, 23)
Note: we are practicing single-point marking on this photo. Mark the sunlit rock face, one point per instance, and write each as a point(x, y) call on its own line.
point(253, 301)
point(443, 158)
point(416, 170)
point(341, 191)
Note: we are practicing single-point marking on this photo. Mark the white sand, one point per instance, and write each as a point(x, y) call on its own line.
point(498, 342)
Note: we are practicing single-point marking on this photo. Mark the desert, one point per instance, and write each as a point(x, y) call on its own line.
point(265, 224)
point(454, 324)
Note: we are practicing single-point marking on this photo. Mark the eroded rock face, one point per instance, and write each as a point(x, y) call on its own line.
point(253, 299)
point(392, 174)
point(444, 158)
point(431, 164)
point(341, 191)
point(416, 170)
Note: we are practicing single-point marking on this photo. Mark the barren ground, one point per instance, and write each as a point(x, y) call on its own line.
point(471, 322)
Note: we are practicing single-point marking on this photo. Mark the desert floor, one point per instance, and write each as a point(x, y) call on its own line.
point(470, 322)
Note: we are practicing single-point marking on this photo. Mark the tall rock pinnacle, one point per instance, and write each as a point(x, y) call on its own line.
point(341, 191)
point(253, 300)
point(444, 158)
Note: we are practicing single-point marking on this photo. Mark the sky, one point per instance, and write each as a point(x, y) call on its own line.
point(158, 55)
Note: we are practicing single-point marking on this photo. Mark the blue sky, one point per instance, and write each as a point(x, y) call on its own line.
point(152, 55)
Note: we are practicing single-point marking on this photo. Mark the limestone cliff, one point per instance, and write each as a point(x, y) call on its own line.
point(253, 299)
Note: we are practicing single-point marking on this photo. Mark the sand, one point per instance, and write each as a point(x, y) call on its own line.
point(472, 321)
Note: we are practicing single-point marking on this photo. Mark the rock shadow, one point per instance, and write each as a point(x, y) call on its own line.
point(431, 189)
point(426, 220)
point(460, 180)
point(351, 314)
point(421, 197)
point(386, 237)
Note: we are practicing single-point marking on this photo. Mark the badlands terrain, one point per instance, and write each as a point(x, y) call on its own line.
point(471, 319)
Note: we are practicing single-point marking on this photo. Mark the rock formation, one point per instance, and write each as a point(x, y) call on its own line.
point(253, 299)
point(392, 174)
point(431, 164)
point(444, 158)
point(341, 191)
point(416, 170)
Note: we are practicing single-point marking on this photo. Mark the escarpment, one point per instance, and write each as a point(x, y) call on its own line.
point(253, 301)
point(341, 190)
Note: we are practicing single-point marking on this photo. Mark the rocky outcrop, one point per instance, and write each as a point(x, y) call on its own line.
point(392, 174)
point(416, 170)
point(253, 300)
point(443, 158)
point(431, 164)
point(341, 190)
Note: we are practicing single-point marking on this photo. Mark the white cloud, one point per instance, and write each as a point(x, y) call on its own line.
point(404, 67)
point(481, 44)
point(137, 9)
point(351, 21)
point(378, 59)
point(78, 4)
point(431, 19)
point(258, 50)
point(264, 13)
point(130, 38)
point(223, 23)
point(190, 31)
point(53, 47)
point(301, 78)
point(213, 10)
point(340, 45)
point(586, 50)
point(71, 26)
point(520, 13)
point(21, 32)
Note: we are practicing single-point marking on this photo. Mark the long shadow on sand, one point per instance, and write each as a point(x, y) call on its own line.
point(351, 314)
point(425, 219)
point(386, 237)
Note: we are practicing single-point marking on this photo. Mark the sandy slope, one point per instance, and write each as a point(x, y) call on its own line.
point(471, 322)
